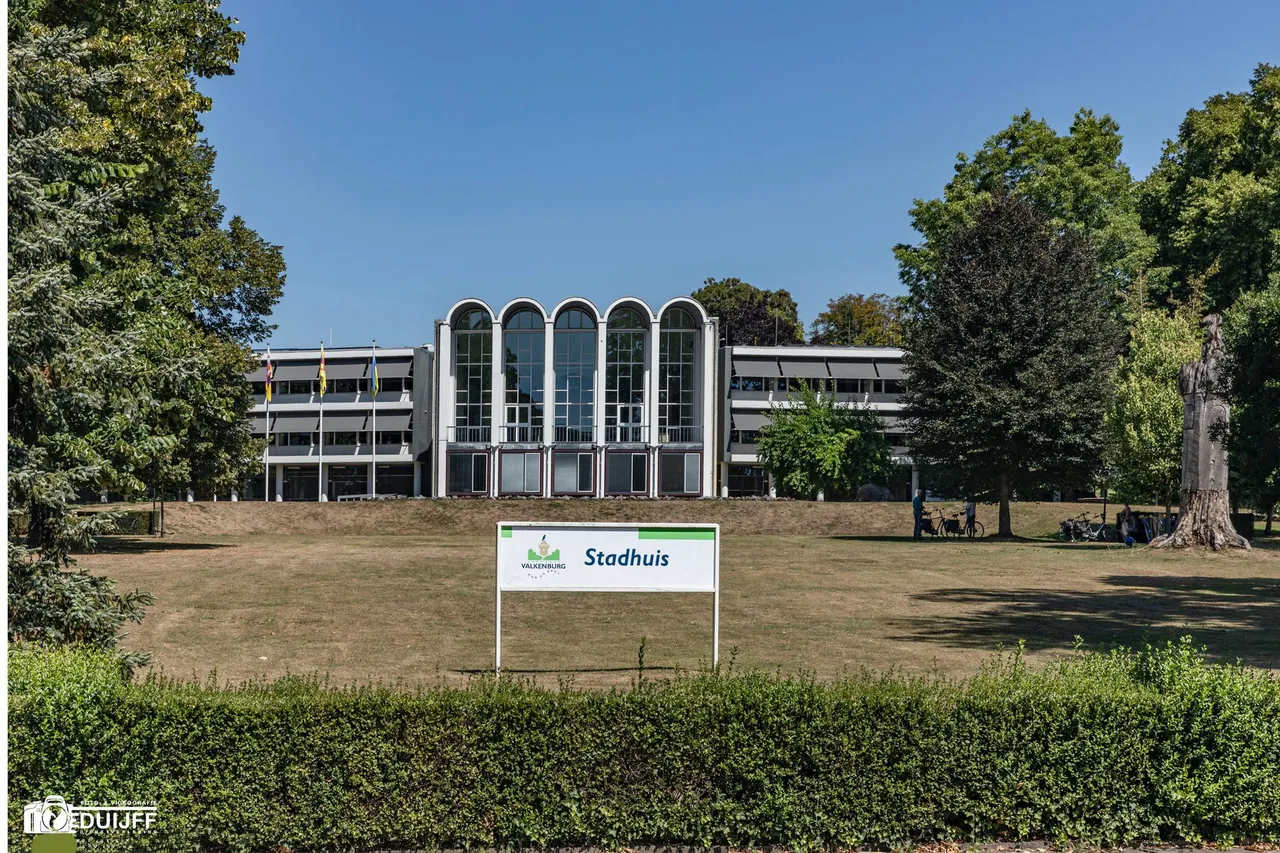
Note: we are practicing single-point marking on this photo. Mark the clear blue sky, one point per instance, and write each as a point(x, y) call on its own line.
point(406, 154)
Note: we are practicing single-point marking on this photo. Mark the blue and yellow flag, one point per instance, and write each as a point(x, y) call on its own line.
point(375, 385)
point(324, 382)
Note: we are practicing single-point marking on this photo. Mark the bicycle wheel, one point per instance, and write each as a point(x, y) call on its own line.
point(977, 531)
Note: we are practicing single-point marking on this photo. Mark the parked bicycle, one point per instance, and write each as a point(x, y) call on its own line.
point(1081, 529)
point(933, 523)
point(956, 527)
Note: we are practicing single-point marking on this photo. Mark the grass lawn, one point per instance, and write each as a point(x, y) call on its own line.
point(420, 607)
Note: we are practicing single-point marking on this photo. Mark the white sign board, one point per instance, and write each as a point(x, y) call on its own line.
point(607, 557)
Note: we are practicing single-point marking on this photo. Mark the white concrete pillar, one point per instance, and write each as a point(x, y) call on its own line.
point(279, 482)
point(498, 383)
point(651, 404)
point(443, 400)
point(235, 496)
point(598, 407)
point(548, 402)
point(191, 495)
point(497, 409)
point(821, 495)
point(651, 383)
point(417, 479)
point(773, 487)
point(707, 388)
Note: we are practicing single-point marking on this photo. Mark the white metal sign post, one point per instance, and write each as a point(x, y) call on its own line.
point(607, 557)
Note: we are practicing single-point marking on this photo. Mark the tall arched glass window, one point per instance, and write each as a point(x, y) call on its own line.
point(677, 375)
point(624, 375)
point(524, 341)
point(575, 364)
point(473, 375)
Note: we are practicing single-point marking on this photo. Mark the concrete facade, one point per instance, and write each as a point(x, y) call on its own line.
point(583, 402)
point(566, 401)
point(325, 449)
point(752, 380)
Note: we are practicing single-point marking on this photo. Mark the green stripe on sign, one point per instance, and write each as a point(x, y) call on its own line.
point(506, 533)
point(675, 533)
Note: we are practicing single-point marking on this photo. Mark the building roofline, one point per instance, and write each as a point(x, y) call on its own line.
point(817, 351)
point(338, 352)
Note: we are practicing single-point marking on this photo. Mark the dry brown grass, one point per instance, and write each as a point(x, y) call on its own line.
point(451, 517)
point(405, 591)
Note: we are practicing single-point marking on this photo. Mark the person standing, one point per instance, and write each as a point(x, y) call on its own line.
point(917, 507)
point(970, 510)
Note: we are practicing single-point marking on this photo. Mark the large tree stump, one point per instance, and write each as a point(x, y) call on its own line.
point(1204, 515)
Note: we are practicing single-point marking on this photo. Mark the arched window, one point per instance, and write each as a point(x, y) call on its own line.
point(524, 341)
point(677, 375)
point(624, 376)
point(473, 375)
point(575, 365)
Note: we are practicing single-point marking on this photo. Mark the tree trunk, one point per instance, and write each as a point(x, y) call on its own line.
point(1006, 525)
point(1203, 519)
point(1203, 511)
point(1271, 512)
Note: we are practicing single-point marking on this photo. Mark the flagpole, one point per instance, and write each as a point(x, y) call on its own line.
point(320, 458)
point(373, 379)
point(266, 451)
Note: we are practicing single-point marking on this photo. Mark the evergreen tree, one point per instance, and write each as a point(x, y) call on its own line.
point(132, 305)
point(818, 445)
point(1009, 347)
point(69, 370)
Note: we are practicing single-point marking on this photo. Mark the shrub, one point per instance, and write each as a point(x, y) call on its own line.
point(1115, 748)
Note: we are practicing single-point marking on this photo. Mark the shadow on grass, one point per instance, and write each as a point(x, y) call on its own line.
point(554, 670)
point(149, 544)
point(1235, 617)
point(906, 537)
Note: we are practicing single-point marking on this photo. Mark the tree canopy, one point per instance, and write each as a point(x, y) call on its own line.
point(1213, 201)
point(1144, 423)
point(751, 316)
point(1009, 347)
point(1077, 180)
point(132, 304)
point(1251, 371)
point(818, 445)
point(855, 320)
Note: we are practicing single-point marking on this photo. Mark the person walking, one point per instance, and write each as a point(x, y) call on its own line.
point(917, 507)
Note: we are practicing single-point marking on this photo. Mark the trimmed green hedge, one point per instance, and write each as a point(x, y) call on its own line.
point(1105, 748)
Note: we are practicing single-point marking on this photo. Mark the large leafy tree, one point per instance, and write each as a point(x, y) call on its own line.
point(1077, 180)
point(1251, 370)
point(1009, 345)
point(1213, 200)
point(1144, 423)
point(816, 445)
point(855, 320)
point(131, 303)
point(750, 315)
